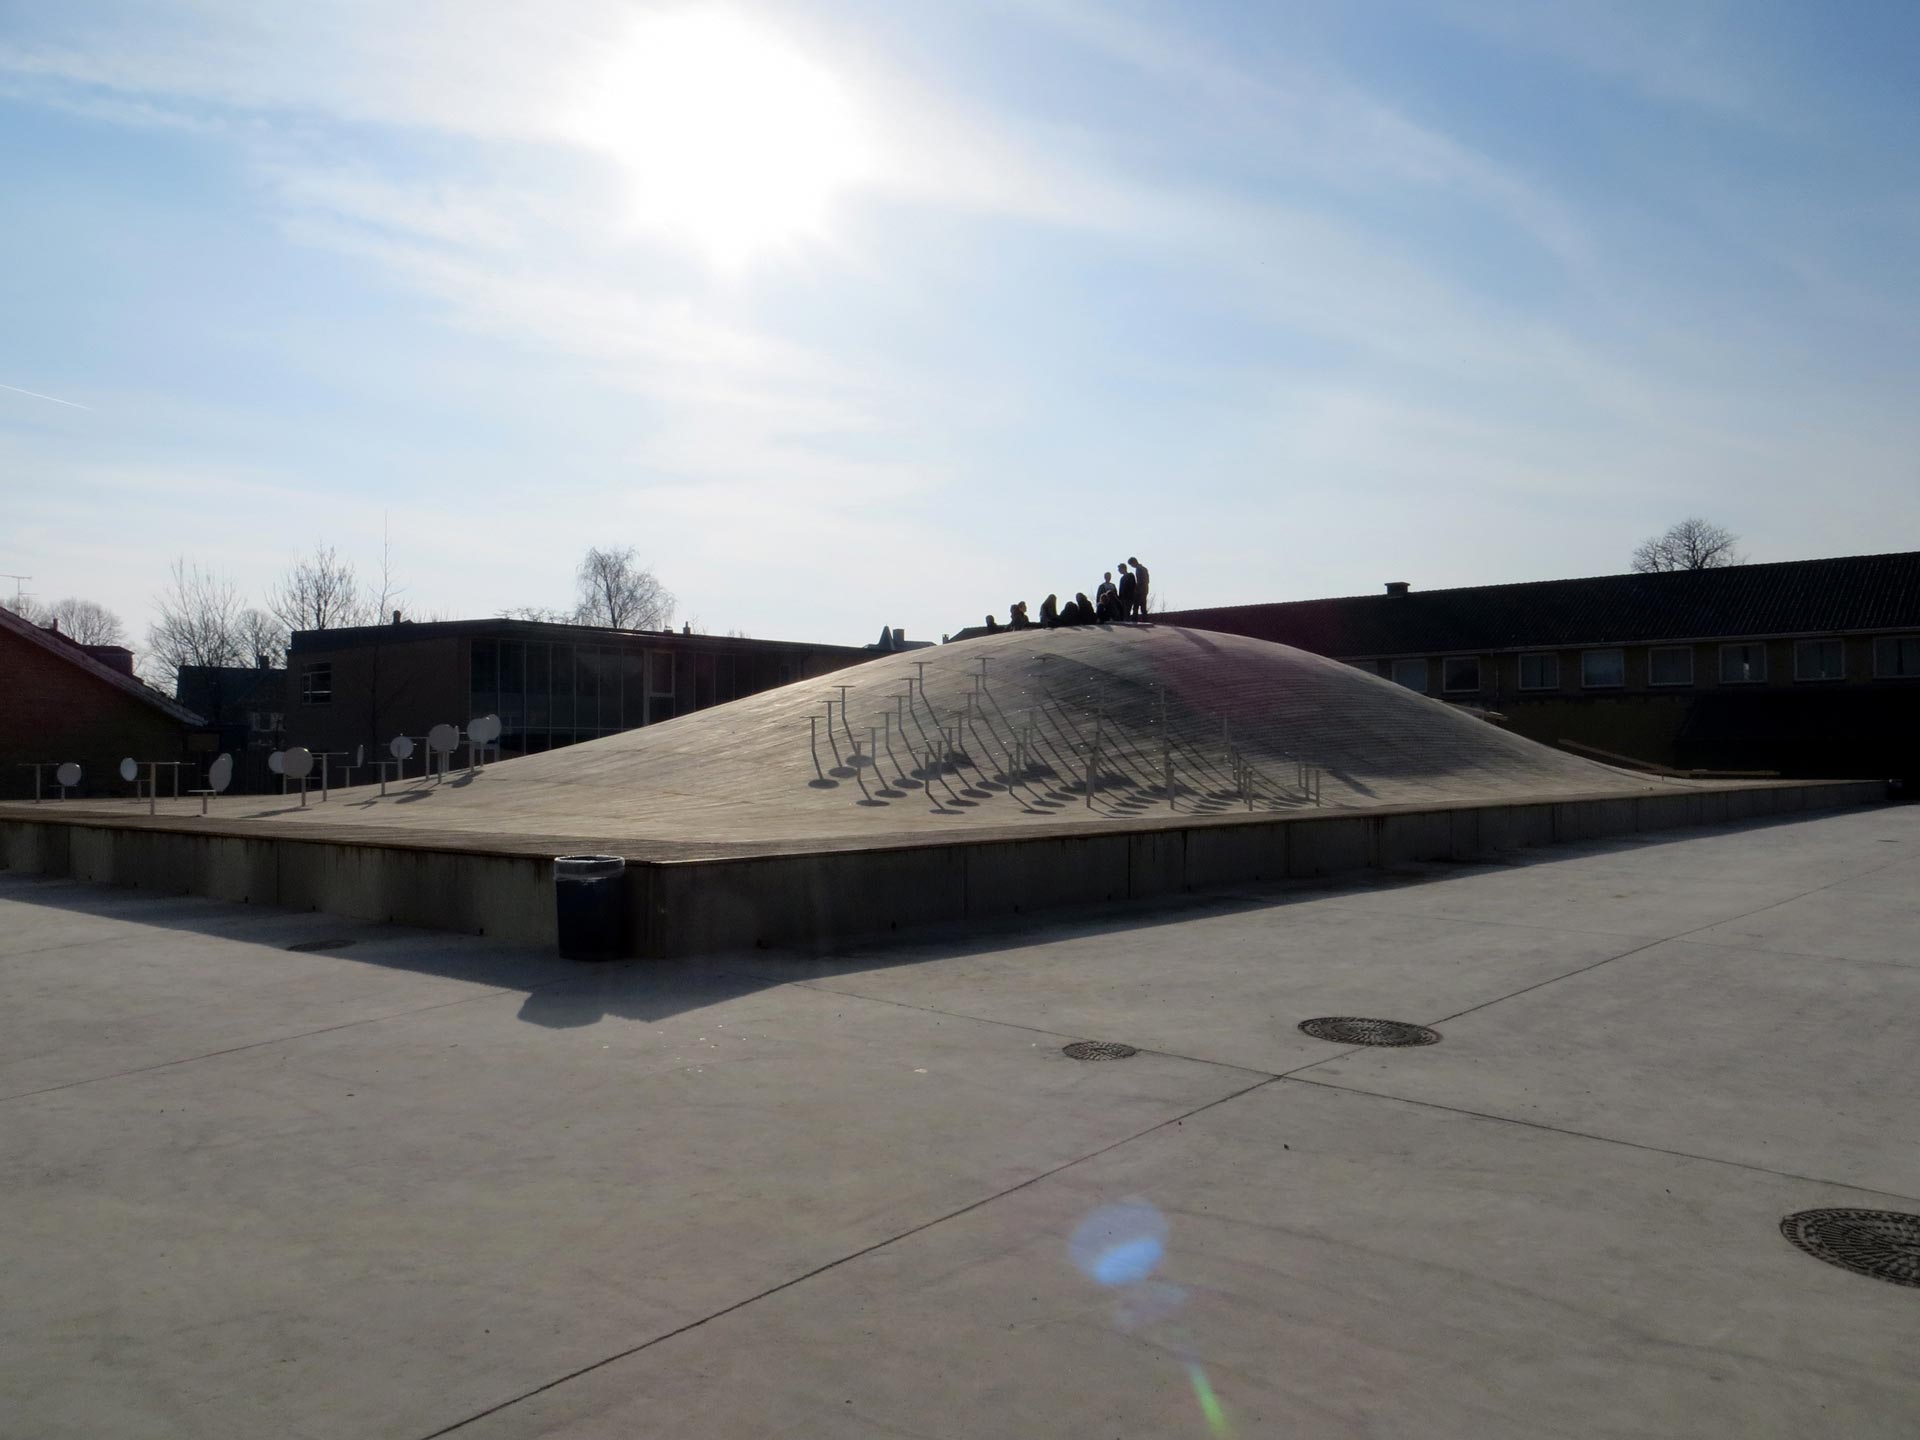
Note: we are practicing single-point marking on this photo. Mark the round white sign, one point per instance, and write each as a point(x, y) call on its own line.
point(484, 730)
point(298, 762)
point(129, 769)
point(68, 774)
point(277, 762)
point(401, 747)
point(443, 738)
point(220, 774)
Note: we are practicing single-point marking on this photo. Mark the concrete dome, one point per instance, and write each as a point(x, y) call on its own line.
point(1073, 726)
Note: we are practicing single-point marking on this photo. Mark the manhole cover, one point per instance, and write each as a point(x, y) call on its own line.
point(1098, 1050)
point(1352, 1030)
point(1882, 1243)
point(309, 947)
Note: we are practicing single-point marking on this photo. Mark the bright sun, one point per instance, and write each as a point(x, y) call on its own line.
point(737, 142)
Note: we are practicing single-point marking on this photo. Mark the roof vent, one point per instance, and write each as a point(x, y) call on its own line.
point(1397, 587)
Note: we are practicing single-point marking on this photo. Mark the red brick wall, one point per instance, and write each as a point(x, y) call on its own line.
point(53, 710)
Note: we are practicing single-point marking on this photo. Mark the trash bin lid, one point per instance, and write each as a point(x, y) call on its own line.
point(587, 867)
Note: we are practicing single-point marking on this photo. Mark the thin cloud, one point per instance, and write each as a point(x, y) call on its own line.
point(38, 396)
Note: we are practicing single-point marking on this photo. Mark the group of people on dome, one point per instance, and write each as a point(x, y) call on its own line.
point(1126, 600)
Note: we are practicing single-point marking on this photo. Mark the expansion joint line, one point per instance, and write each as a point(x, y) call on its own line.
point(851, 1256)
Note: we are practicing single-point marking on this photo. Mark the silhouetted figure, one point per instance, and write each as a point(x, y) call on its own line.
point(994, 627)
point(1129, 591)
point(1140, 580)
point(1105, 597)
point(1050, 612)
point(1017, 617)
point(1086, 608)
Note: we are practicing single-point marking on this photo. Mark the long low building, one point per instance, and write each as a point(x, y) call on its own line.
point(1806, 667)
point(550, 684)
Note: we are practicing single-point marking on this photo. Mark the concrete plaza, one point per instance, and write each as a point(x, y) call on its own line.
point(270, 1174)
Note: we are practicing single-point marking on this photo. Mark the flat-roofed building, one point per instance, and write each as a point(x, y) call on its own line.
point(551, 685)
point(1807, 667)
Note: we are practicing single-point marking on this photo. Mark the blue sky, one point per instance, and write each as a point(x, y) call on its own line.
point(855, 313)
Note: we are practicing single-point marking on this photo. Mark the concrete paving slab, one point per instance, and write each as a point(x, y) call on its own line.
point(816, 1213)
point(1858, 924)
point(1651, 903)
point(1334, 1266)
point(1230, 987)
point(374, 1230)
point(1777, 1061)
point(191, 977)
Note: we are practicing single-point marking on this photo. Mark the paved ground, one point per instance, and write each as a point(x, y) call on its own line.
point(419, 1184)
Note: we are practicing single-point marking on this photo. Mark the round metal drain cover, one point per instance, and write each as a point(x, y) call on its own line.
point(312, 947)
point(1352, 1030)
point(1882, 1243)
point(1098, 1050)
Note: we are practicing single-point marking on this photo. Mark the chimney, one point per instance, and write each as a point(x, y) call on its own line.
point(1397, 587)
point(899, 637)
point(396, 617)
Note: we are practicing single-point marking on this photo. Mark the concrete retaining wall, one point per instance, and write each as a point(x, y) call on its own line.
point(698, 907)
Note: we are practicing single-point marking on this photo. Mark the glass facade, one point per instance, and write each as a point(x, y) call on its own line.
point(549, 694)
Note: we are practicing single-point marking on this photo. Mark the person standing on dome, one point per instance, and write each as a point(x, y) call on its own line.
point(1140, 584)
point(1129, 591)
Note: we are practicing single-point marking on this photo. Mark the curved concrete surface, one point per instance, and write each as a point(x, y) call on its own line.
point(1077, 726)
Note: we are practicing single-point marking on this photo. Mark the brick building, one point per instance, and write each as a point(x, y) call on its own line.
point(551, 685)
point(1807, 667)
point(64, 701)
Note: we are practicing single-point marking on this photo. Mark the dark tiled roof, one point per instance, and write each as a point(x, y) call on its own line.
point(1795, 597)
point(76, 655)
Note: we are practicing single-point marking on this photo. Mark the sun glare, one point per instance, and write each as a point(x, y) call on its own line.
point(736, 142)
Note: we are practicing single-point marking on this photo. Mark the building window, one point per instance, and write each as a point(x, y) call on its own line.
point(1897, 657)
point(316, 684)
point(1670, 665)
point(1603, 669)
point(1743, 664)
point(1819, 660)
point(1460, 672)
point(1539, 672)
point(1411, 673)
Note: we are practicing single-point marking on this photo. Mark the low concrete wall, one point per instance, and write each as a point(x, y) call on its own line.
point(697, 907)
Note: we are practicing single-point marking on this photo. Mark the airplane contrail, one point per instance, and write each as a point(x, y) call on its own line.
point(38, 396)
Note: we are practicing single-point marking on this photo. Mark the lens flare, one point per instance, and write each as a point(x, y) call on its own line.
point(1120, 1244)
point(1210, 1405)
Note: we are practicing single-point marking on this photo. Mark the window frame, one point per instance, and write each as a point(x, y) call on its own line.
point(1473, 689)
point(1692, 665)
point(310, 694)
point(1759, 645)
point(1552, 657)
point(1589, 684)
point(1801, 646)
point(1426, 675)
point(1881, 674)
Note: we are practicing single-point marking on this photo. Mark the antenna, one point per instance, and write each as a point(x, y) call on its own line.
point(18, 581)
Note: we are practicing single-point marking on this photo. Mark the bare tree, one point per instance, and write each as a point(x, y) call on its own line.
point(617, 591)
point(544, 614)
point(320, 593)
point(199, 623)
point(263, 639)
point(1693, 544)
point(87, 622)
point(26, 607)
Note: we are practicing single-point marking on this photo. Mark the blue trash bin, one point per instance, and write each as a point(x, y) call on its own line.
point(590, 904)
